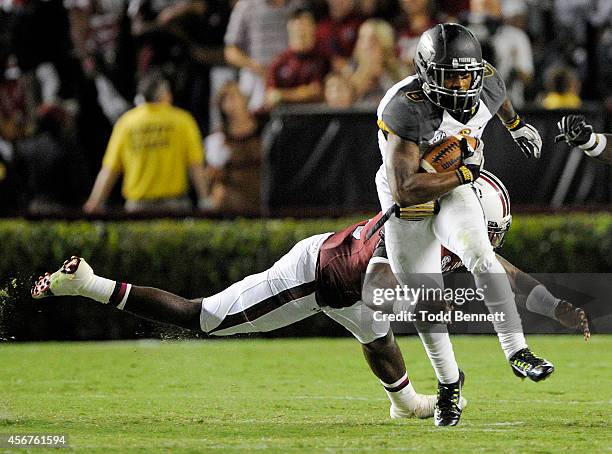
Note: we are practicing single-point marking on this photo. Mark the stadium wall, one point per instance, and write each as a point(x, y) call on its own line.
point(320, 157)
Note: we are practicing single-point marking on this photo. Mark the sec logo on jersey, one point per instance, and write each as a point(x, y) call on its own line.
point(439, 136)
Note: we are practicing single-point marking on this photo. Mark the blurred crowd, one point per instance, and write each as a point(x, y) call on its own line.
point(79, 77)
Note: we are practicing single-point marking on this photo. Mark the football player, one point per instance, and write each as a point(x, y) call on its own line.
point(574, 130)
point(296, 288)
point(530, 294)
point(453, 92)
point(322, 273)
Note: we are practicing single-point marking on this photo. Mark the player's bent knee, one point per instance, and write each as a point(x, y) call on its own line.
point(377, 336)
point(381, 343)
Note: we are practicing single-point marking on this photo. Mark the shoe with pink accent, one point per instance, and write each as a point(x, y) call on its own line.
point(69, 280)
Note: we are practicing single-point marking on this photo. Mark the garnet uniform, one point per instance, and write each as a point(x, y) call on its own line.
point(320, 273)
point(450, 262)
point(343, 260)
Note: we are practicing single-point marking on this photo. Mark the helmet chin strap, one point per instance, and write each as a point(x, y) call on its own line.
point(463, 117)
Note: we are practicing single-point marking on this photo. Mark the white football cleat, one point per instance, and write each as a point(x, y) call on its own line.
point(69, 280)
point(424, 409)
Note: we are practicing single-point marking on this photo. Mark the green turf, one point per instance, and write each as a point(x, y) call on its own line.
point(297, 396)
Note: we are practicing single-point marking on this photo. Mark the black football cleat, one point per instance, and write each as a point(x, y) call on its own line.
point(449, 405)
point(525, 364)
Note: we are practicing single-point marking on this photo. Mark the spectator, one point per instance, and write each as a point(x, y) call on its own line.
point(339, 93)
point(9, 193)
point(452, 9)
point(562, 89)
point(50, 73)
point(155, 146)
point(17, 103)
point(296, 75)
point(578, 15)
point(603, 55)
point(376, 68)
point(483, 19)
point(337, 33)
point(11, 127)
point(40, 41)
point(194, 29)
point(203, 36)
point(513, 52)
point(507, 47)
point(156, 45)
point(50, 162)
point(256, 33)
point(416, 17)
point(381, 9)
point(233, 155)
point(94, 29)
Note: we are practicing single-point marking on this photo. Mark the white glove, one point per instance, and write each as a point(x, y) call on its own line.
point(472, 159)
point(528, 139)
point(471, 156)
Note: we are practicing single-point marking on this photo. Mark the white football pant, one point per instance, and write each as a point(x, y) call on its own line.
point(413, 248)
point(281, 296)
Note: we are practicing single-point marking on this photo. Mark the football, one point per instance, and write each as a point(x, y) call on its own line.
point(445, 156)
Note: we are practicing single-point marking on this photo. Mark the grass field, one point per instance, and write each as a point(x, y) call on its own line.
point(311, 395)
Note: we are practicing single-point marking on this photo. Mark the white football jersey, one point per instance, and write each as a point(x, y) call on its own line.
point(406, 112)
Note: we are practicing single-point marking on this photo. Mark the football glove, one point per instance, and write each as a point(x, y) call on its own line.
point(473, 160)
point(574, 130)
point(526, 137)
point(571, 316)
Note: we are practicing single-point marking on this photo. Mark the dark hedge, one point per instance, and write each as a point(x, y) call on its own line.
point(199, 257)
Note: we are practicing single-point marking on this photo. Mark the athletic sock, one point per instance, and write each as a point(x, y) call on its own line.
point(541, 301)
point(439, 349)
point(120, 295)
point(401, 393)
point(499, 299)
point(106, 291)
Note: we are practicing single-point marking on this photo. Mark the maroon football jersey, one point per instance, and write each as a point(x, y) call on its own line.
point(343, 260)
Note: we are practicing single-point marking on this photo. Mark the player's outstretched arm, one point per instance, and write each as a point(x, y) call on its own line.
point(534, 297)
point(576, 132)
point(408, 186)
point(526, 136)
